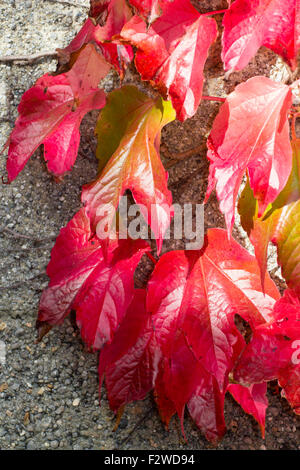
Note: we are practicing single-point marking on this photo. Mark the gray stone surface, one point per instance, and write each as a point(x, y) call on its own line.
point(49, 391)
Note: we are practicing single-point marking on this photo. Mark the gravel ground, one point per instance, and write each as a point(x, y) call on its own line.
point(49, 391)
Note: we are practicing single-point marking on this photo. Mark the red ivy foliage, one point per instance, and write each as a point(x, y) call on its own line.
point(178, 337)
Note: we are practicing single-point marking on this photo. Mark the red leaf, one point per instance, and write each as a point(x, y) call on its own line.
point(118, 15)
point(74, 256)
point(274, 351)
point(251, 132)
point(201, 296)
point(115, 53)
point(250, 24)
point(186, 343)
point(51, 112)
point(118, 55)
point(253, 400)
point(104, 298)
point(130, 362)
point(98, 289)
point(193, 305)
point(172, 53)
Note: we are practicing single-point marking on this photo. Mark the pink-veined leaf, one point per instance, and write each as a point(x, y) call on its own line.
point(253, 400)
point(202, 294)
point(118, 55)
point(185, 343)
point(115, 53)
point(128, 150)
point(251, 132)
point(250, 24)
point(193, 307)
point(99, 289)
point(119, 14)
point(171, 53)
point(133, 363)
point(51, 111)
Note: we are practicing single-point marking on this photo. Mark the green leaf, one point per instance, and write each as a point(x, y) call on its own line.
point(128, 132)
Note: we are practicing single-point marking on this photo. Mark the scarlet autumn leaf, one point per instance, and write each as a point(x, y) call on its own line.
point(274, 351)
point(118, 55)
point(185, 343)
point(279, 224)
point(98, 289)
point(193, 306)
point(118, 13)
point(171, 53)
point(251, 132)
point(249, 24)
point(128, 150)
point(253, 400)
point(130, 362)
point(51, 111)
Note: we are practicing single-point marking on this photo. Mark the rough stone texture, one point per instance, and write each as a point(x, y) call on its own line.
point(49, 391)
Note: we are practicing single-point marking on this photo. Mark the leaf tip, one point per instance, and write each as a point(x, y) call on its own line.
point(43, 328)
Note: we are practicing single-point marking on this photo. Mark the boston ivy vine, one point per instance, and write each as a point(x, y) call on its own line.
point(177, 337)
